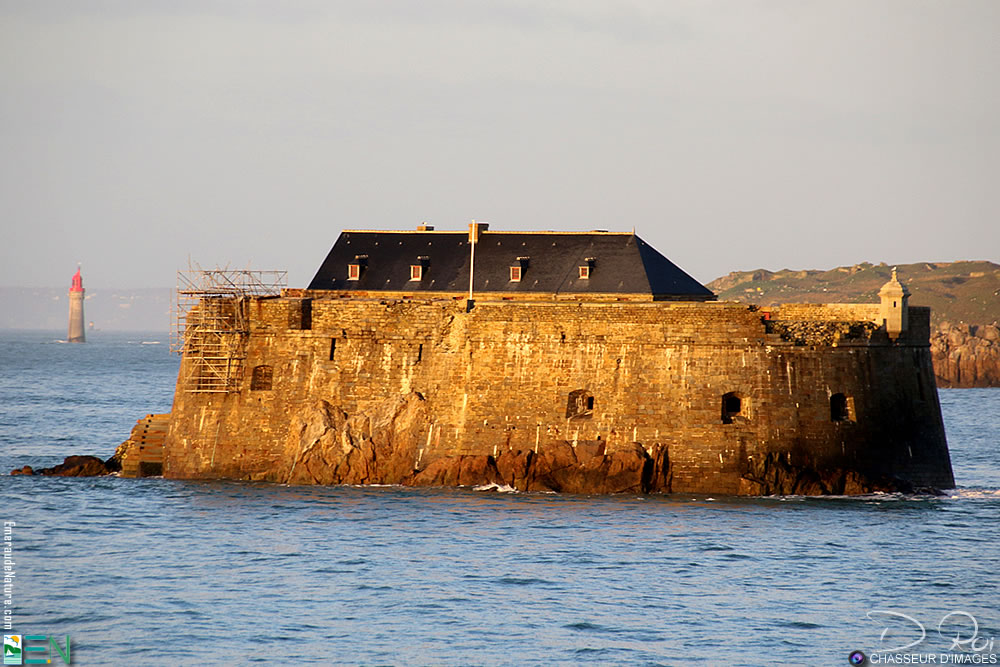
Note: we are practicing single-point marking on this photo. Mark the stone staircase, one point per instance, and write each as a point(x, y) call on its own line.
point(144, 455)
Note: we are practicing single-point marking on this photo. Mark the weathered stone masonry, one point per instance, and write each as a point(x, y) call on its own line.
point(690, 397)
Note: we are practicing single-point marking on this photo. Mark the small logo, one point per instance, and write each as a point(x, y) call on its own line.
point(12, 650)
point(857, 658)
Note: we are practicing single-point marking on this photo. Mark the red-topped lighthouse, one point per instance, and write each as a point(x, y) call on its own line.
point(76, 291)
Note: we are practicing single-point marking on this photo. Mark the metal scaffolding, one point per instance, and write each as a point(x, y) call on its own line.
point(211, 323)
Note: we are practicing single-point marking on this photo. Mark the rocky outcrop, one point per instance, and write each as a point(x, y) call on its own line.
point(79, 466)
point(772, 475)
point(388, 446)
point(966, 355)
point(583, 467)
point(325, 446)
point(72, 466)
point(122, 452)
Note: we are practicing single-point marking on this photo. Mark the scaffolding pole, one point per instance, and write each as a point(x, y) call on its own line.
point(211, 323)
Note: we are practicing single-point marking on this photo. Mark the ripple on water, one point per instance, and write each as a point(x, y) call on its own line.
point(249, 573)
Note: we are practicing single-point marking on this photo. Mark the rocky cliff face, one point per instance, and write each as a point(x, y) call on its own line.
point(966, 355)
point(328, 446)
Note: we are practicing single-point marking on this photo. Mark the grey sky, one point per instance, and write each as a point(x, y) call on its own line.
point(731, 134)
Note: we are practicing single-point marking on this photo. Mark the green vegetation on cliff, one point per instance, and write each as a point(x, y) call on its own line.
point(955, 291)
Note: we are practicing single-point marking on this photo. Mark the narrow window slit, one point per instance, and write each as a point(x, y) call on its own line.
point(840, 408)
point(580, 404)
point(732, 407)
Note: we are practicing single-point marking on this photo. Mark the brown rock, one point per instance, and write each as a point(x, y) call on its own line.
point(773, 475)
point(584, 468)
point(26, 470)
point(854, 484)
point(378, 447)
point(472, 470)
point(388, 444)
point(660, 479)
point(77, 466)
point(513, 467)
point(114, 464)
point(584, 450)
point(966, 355)
point(626, 472)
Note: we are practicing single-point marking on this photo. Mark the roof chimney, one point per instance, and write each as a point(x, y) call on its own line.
point(424, 227)
point(475, 229)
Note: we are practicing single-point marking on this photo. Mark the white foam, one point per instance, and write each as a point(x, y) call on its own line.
point(965, 494)
point(493, 486)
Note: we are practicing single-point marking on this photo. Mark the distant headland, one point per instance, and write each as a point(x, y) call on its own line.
point(964, 298)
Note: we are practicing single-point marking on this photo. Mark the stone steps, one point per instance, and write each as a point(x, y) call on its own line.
point(145, 458)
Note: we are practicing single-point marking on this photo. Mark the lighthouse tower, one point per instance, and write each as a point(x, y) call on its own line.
point(76, 310)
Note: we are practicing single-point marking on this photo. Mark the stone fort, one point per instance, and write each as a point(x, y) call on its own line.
point(573, 362)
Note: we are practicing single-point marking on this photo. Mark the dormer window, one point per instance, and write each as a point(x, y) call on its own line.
point(517, 269)
point(586, 268)
point(355, 268)
point(417, 269)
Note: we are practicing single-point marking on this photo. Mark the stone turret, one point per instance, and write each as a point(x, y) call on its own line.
point(894, 310)
point(76, 292)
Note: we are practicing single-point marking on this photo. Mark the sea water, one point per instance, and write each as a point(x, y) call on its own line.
point(164, 572)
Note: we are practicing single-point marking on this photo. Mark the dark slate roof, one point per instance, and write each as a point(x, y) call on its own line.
point(623, 263)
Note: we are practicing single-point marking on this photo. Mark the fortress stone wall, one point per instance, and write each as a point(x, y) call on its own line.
point(637, 396)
